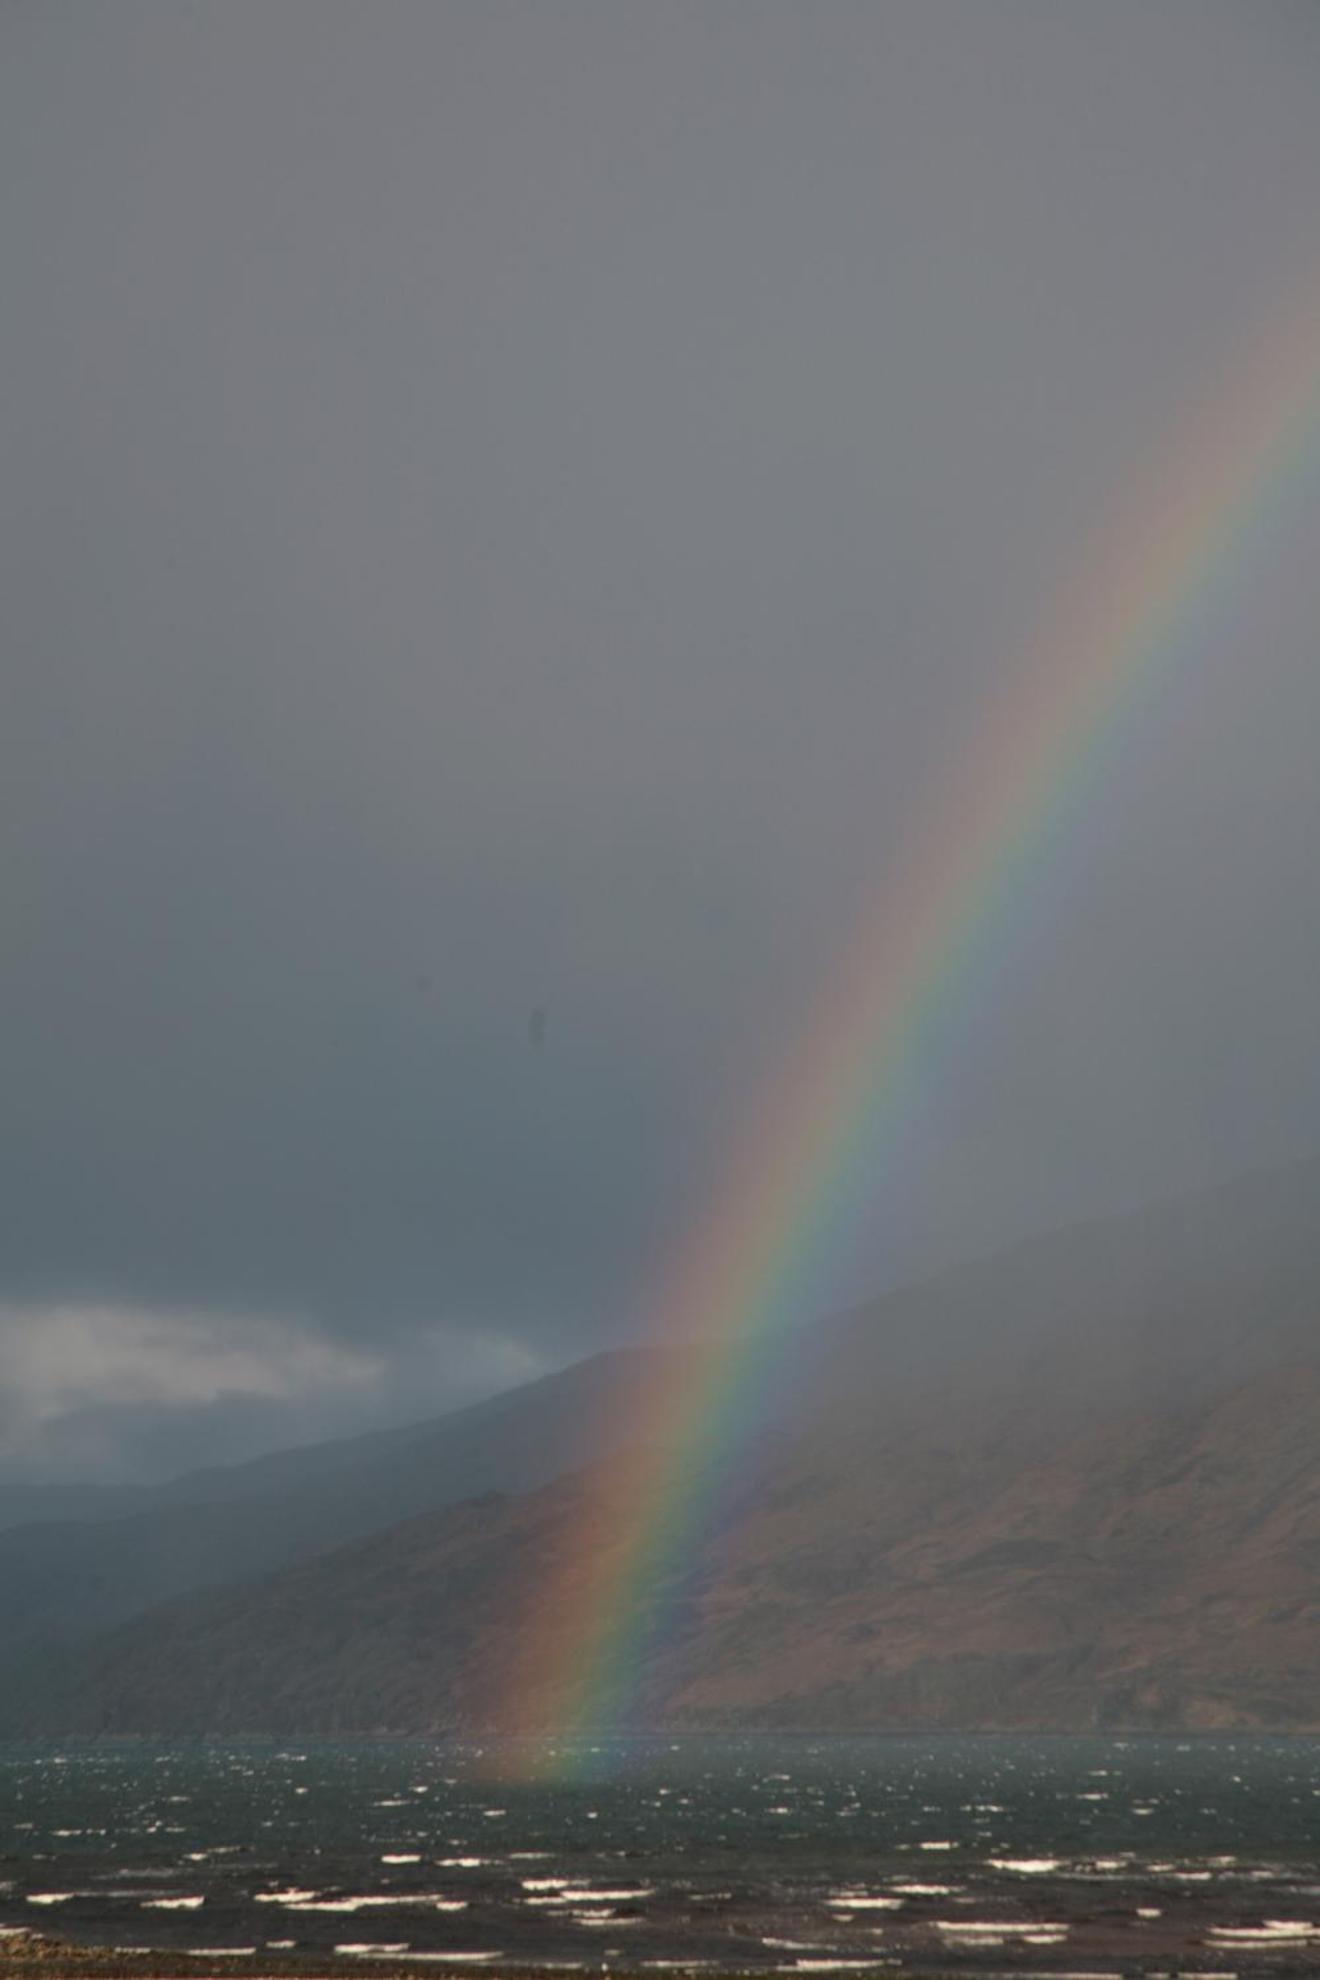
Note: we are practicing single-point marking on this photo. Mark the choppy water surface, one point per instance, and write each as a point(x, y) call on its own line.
point(1045, 1855)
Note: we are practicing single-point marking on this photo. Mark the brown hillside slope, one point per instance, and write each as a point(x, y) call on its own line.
point(1158, 1572)
point(1076, 1486)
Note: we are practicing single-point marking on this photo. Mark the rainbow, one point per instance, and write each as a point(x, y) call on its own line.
point(916, 969)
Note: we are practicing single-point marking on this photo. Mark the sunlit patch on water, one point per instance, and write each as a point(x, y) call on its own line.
point(864, 1901)
point(482, 1958)
point(831, 1965)
point(381, 1901)
point(1275, 1931)
point(1031, 1929)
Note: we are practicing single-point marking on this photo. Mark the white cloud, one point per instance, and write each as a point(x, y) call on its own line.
point(82, 1385)
point(60, 1359)
point(459, 1366)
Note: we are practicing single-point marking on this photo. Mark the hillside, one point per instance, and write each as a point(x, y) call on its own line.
point(1075, 1485)
point(61, 1578)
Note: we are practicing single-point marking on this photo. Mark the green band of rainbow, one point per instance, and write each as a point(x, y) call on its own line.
point(867, 1059)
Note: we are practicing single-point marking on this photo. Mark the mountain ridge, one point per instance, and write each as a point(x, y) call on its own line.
point(1076, 1484)
point(62, 1578)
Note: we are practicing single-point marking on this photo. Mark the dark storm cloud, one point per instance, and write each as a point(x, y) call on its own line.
point(513, 507)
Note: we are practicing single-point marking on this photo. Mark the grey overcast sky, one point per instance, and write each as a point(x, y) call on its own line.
point(508, 509)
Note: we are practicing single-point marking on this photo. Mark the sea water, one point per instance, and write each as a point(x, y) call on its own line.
point(1046, 1855)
